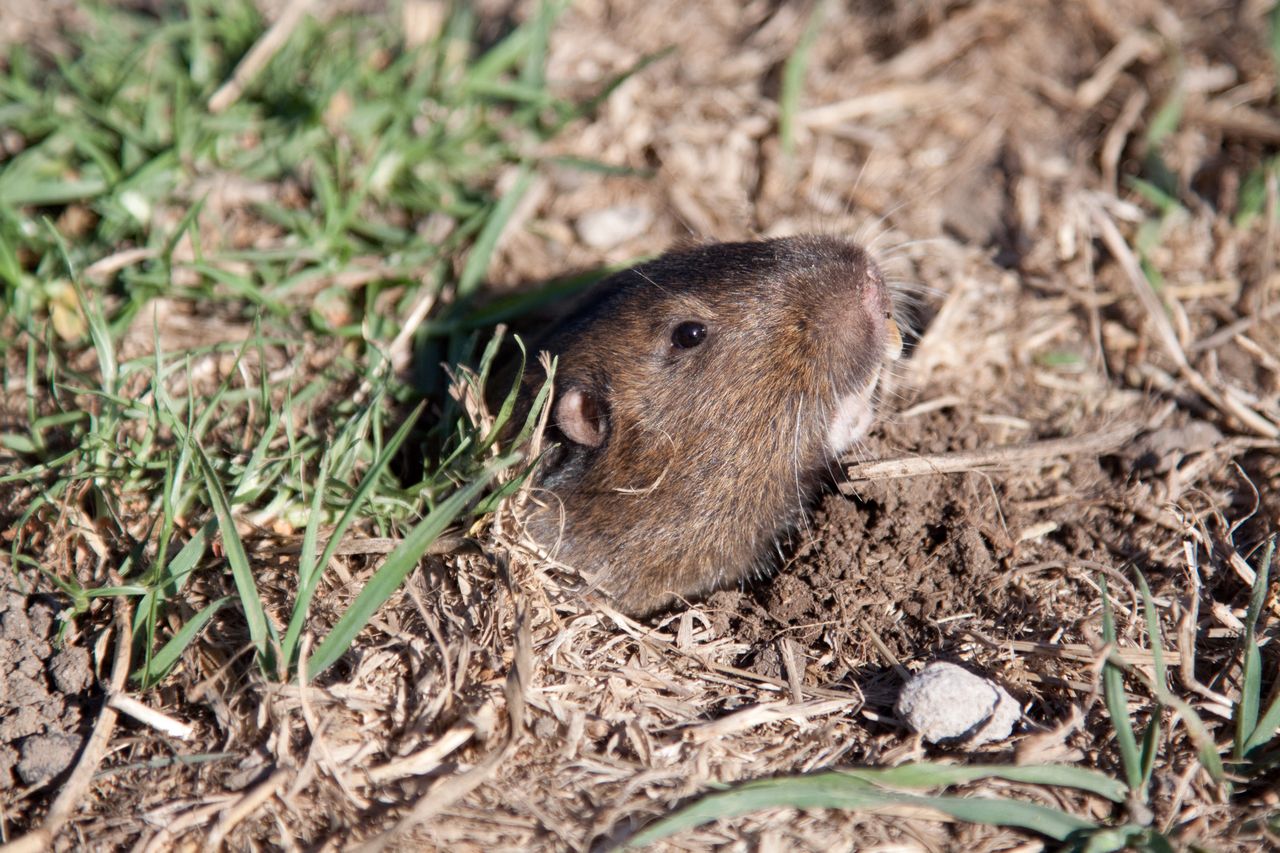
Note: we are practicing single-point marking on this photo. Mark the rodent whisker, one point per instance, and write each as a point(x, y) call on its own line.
point(640, 272)
point(889, 390)
point(899, 249)
point(795, 465)
point(912, 289)
point(644, 490)
point(652, 487)
point(877, 225)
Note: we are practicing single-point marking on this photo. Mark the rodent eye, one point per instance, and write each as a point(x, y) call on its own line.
point(688, 335)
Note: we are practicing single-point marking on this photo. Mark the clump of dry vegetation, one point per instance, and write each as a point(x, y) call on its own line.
point(256, 596)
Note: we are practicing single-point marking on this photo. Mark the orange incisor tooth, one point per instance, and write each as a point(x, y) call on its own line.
point(893, 339)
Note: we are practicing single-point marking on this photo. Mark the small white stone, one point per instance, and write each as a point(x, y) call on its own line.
point(604, 229)
point(945, 702)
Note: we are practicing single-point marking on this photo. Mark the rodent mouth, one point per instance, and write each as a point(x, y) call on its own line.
point(855, 411)
point(854, 414)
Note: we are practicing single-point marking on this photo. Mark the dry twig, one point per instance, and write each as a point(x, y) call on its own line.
point(259, 55)
point(995, 459)
point(1165, 334)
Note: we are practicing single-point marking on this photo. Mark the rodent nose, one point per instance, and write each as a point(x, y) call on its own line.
point(880, 308)
point(867, 317)
point(874, 294)
point(870, 306)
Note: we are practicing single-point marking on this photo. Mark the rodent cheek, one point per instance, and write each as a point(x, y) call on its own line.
point(852, 418)
point(671, 394)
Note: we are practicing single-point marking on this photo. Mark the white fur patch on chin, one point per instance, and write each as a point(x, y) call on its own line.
point(852, 419)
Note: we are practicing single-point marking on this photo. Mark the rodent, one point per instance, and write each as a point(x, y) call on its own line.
point(698, 400)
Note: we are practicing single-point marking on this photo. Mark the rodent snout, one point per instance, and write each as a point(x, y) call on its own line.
point(879, 306)
point(866, 311)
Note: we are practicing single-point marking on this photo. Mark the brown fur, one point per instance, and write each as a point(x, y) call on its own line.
point(703, 455)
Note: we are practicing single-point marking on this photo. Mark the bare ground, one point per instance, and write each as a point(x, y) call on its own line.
point(984, 151)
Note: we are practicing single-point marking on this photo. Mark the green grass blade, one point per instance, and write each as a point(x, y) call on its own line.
point(500, 58)
point(1265, 731)
point(793, 74)
point(924, 775)
point(250, 601)
point(18, 443)
point(593, 103)
point(256, 477)
point(308, 573)
point(488, 357)
point(99, 330)
point(535, 410)
point(1253, 192)
point(1251, 733)
point(596, 167)
point(184, 562)
point(1117, 700)
point(251, 484)
point(517, 47)
point(112, 591)
point(1167, 117)
point(1206, 748)
point(48, 193)
point(169, 580)
point(491, 501)
point(1258, 594)
point(312, 569)
point(1274, 26)
point(11, 272)
point(477, 265)
point(508, 404)
point(842, 791)
point(1129, 837)
point(1151, 737)
point(1153, 630)
point(31, 394)
point(1150, 748)
point(394, 570)
point(520, 304)
point(164, 660)
point(1044, 820)
point(1246, 709)
point(534, 72)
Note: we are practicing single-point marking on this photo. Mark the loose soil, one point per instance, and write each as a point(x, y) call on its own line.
point(44, 685)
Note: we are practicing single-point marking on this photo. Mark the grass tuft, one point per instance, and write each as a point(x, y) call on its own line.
point(169, 272)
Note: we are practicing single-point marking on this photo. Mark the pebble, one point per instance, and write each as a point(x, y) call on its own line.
point(947, 703)
point(612, 226)
point(46, 756)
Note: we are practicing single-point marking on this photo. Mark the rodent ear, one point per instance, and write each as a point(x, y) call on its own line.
point(580, 417)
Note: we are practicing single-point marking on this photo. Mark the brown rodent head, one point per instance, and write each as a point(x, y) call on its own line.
point(698, 400)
